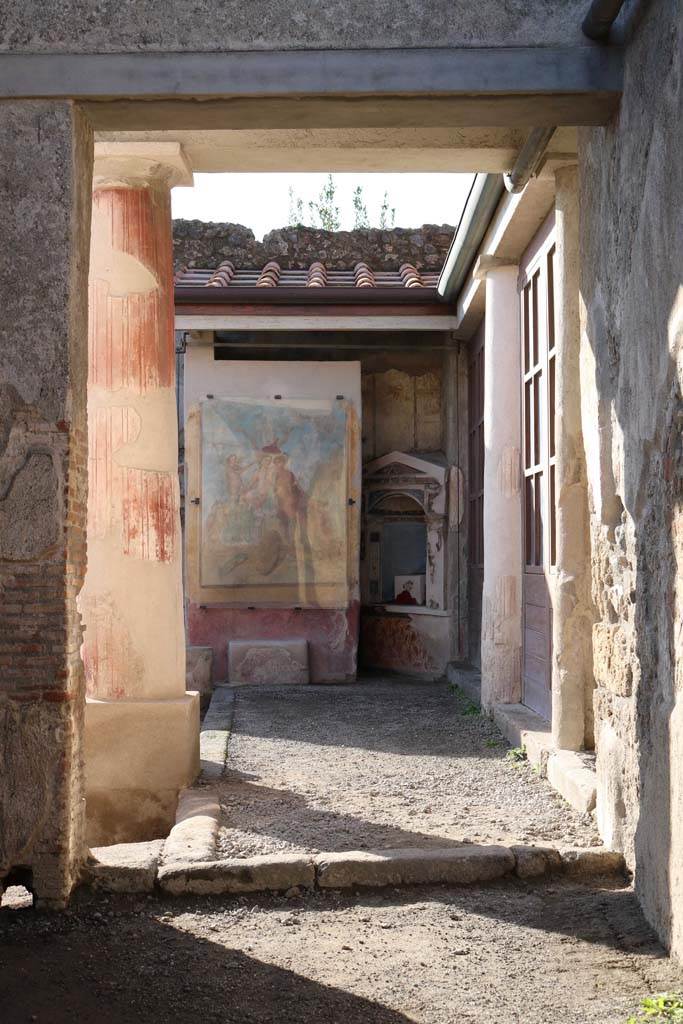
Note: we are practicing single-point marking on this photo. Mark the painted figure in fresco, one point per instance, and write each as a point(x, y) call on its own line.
point(259, 495)
point(290, 498)
point(237, 520)
point(274, 482)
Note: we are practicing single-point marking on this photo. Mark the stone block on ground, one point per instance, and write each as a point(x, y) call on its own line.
point(535, 861)
point(193, 837)
point(467, 678)
point(124, 867)
point(199, 672)
point(267, 873)
point(592, 862)
point(215, 733)
point(569, 775)
point(271, 662)
point(458, 865)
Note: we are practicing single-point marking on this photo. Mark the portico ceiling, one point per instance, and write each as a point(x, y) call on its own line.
point(426, 148)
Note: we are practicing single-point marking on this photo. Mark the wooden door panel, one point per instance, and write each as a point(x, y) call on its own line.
point(536, 642)
point(535, 590)
point(536, 616)
point(536, 693)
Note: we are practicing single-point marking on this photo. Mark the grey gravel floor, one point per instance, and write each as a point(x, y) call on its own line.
point(378, 764)
point(500, 954)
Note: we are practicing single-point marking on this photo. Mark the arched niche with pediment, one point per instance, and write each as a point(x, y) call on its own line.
point(405, 528)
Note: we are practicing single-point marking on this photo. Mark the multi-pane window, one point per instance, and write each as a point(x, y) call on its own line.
point(539, 436)
point(538, 413)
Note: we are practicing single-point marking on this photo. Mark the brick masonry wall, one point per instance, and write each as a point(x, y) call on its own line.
point(44, 194)
point(200, 244)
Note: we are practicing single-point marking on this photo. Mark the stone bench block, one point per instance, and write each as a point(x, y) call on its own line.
point(199, 671)
point(272, 662)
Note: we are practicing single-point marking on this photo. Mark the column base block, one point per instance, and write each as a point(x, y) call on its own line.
point(138, 755)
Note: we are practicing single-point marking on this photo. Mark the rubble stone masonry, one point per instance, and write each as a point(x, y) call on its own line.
point(631, 376)
point(198, 244)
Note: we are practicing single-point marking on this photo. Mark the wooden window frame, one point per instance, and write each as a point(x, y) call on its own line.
point(538, 311)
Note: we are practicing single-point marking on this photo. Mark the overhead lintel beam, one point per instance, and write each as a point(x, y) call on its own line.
point(495, 71)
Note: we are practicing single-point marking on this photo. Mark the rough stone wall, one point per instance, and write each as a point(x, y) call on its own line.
point(200, 244)
point(72, 26)
point(44, 228)
point(631, 376)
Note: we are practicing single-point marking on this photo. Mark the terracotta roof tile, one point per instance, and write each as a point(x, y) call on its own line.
point(272, 275)
point(222, 276)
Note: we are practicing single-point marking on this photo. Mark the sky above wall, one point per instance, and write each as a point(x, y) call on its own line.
point(261, 201)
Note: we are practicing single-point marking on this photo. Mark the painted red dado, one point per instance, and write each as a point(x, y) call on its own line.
point(393, 642)
point(332, 635)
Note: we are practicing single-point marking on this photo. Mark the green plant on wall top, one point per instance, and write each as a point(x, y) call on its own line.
point(324, 212)
point(662, 1009)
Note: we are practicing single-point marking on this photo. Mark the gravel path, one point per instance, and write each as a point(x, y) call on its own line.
point(506, 954)
point(379, 764)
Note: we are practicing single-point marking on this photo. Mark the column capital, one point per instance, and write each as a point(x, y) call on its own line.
point(140, 164)
point(484, 264)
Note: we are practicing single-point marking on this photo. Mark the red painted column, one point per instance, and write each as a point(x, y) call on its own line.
point(141, 726)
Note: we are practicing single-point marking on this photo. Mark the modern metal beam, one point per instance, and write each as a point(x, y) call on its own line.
point(495, 71)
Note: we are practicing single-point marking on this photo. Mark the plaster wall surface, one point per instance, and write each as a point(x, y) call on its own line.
point(570, 584)
point(631, 374)
point(70, 26)
point(501, 618)
point(44, 195)
point(332, 633)
point(402, 410)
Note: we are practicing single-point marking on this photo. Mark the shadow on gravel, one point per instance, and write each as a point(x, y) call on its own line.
point(401, 717)
point(131, 969)
point(603, 912)
point(265, 811)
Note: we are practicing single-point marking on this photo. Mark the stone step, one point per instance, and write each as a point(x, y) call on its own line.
point(110, 868)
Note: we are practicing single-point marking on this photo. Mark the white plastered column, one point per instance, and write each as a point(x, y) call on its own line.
point(573, 613)
point(501, 631)
point(142, 728)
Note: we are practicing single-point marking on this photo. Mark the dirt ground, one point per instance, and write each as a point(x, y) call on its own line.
point(504, 954)
point(379, 764)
